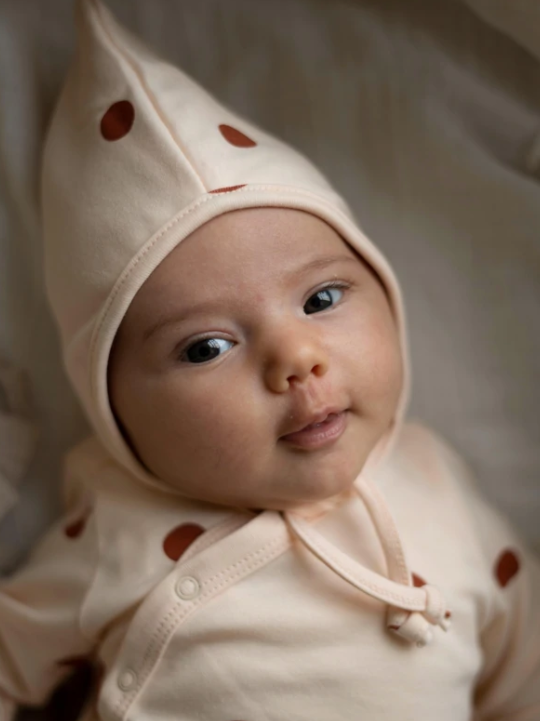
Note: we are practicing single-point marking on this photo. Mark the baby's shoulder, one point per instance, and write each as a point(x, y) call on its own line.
point(141, 532)
point(436, 471)
point(442, 512)
point(428, 461)
point(125, 506)
point(89, 469)
point(431, 491)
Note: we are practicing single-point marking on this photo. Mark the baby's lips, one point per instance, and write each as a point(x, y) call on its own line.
point(310, 418)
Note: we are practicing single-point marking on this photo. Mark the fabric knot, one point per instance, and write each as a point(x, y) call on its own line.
point(416, 626)
point(435, 607)
point(413, 608)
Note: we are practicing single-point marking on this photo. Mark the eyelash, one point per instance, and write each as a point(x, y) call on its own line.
point(344, 285)
point(338, 284)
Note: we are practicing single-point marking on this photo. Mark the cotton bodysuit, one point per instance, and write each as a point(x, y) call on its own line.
point(406, 598)
point(196, 612)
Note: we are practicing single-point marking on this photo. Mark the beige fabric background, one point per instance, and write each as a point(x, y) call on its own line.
point(424, 115)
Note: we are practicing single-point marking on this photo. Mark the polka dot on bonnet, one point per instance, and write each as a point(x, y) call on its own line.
point(137, 157)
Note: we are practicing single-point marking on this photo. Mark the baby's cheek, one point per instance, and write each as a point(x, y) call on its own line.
point(384, 374)
point(204, 419)
point(394, 375)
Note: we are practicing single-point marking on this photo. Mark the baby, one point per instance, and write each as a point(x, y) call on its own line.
point(253, 532)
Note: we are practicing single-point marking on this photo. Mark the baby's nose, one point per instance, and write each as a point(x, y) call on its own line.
point(295, 359)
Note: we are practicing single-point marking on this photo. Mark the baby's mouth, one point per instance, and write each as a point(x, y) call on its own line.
point(326, 428)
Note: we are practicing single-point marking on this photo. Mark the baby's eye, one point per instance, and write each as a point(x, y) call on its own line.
point(206, 349)
point(322, 299)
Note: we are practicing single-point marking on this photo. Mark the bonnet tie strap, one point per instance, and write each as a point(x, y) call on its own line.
point(412, 611)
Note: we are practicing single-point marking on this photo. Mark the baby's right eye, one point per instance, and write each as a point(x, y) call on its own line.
point(206, 350)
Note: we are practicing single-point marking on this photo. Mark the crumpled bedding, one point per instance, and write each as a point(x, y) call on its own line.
point(18, 434)
point(424, 115)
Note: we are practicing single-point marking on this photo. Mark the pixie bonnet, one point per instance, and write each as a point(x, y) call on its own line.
point(137, 157)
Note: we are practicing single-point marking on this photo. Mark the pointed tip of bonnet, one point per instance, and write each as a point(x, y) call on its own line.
point(94, 21)
point(87, 13)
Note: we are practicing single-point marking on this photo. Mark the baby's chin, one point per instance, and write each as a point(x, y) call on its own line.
point(319, 506)
point(312, 501)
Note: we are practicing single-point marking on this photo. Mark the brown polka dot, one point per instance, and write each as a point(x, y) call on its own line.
point(75, 529)
point(117, 120)
point(180, 538)
point(228, 189)
point(507, 567)
point(235, 137)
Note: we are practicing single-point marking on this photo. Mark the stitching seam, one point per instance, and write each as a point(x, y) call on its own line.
point(180, 612)
point(377, 589)
point(127, 57)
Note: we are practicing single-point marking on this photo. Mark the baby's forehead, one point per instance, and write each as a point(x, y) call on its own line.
point(253, 239)
point(240, 251)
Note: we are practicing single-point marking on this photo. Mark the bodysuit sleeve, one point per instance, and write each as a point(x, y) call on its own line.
point(508, 687)
point(41, 634)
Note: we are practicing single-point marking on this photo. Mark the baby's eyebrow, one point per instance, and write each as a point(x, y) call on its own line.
point(176, 318)
point(316, 264)
point(321, 263)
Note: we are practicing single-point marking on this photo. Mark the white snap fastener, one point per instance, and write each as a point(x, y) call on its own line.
point(187, 587)
point(127, 680)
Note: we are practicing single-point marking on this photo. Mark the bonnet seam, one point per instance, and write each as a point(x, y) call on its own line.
point(150, 95)
point(180, 612)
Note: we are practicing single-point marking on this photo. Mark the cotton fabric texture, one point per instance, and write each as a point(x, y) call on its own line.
point(194, 611)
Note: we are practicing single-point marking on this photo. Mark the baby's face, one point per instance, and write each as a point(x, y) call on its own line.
point(258, 327)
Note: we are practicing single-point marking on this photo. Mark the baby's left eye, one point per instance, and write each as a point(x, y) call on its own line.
point(322, 299)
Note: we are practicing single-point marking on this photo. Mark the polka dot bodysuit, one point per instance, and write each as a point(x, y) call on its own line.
point(190, 611)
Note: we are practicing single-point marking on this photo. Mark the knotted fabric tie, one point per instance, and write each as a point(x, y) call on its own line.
point(412, 611)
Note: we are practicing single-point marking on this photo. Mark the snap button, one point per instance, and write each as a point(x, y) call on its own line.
point(187, 587)
point(127, 680)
